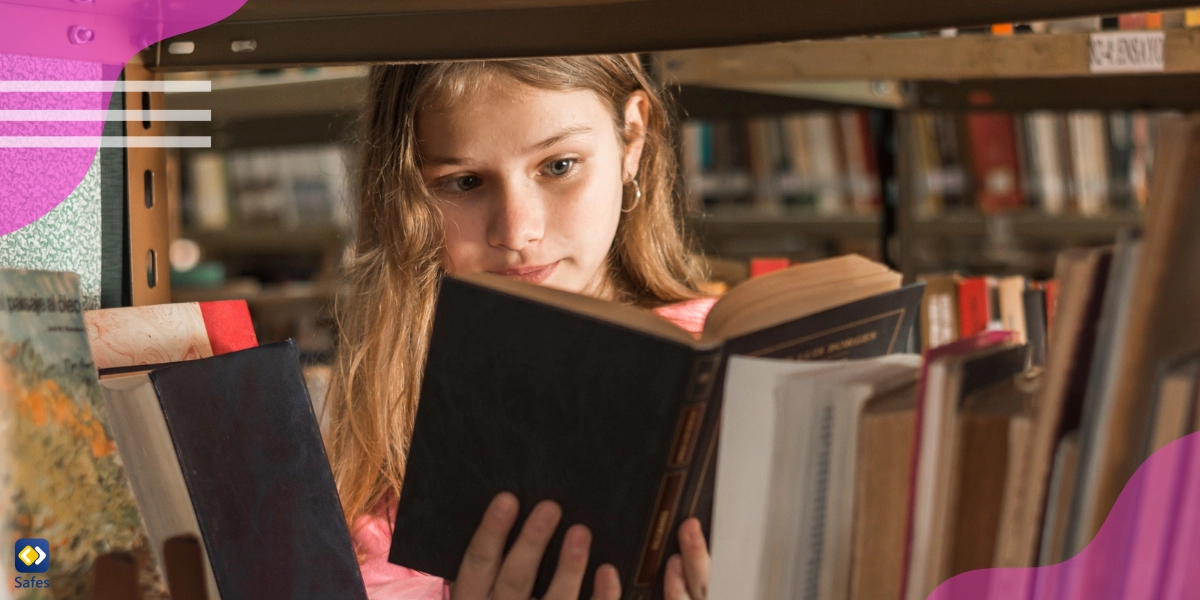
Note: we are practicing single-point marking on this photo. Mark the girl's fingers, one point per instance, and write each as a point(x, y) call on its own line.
point(696, 560)
point(486, 550)
point(519, 570)
point(572, 565)
point(607, 584)
point(674, 586)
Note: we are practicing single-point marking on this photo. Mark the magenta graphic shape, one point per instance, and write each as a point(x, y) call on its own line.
point(1148, 547)
point(71, 41)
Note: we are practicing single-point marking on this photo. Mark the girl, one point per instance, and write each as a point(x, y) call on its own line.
point(555, 171)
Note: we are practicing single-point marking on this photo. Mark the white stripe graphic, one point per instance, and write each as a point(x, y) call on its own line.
point(106, 86)
point(105, 115)
point(96, 141)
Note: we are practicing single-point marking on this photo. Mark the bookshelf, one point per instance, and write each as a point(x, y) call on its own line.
point(966, 72)
point(1019, 73)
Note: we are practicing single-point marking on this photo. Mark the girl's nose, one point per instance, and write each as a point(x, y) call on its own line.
point(517, 216)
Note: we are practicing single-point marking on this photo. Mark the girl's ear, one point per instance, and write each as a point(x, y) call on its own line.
point(637, 115)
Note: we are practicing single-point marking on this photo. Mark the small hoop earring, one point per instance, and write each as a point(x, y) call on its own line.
point(637, 197)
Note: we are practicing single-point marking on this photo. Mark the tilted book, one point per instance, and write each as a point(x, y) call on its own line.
point(248, 470)
point(607, 409)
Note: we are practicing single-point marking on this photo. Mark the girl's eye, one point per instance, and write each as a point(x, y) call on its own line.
point(465, 183)
point(561, 166)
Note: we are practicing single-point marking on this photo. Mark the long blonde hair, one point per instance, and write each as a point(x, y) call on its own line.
point(385, 319)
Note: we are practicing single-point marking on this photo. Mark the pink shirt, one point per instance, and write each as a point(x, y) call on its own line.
point(373, 532)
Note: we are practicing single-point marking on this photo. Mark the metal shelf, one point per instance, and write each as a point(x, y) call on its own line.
point(310, 32)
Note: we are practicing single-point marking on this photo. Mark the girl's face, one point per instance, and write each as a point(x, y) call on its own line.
point(530, 181)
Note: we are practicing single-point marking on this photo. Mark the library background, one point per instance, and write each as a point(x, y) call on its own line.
point(1038, 175)
point(980, 151)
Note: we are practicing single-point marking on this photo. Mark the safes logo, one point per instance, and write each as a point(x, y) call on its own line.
point(33, 555)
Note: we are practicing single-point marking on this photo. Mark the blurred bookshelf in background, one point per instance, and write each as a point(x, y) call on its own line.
point(268, 225)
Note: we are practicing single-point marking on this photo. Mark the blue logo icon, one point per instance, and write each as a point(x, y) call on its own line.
point(32, 555)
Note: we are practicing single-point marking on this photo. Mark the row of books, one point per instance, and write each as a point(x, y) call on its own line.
point(1128, 22)
point(821, 161)
point(957, 307)
point(1167, 19)
point(973, 457)
point(1079, 162)
point(283, 188)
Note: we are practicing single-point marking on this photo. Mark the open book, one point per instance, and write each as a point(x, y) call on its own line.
point(608, 409)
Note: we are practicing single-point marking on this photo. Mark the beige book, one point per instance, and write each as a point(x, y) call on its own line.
point(939, 310)
point(882, 484)
point(948, 380)
point(144, 443)
point(1079, 272)
point(1012, 306)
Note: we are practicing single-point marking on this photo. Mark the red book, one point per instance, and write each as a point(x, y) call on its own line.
point(993, 143)
point(974, 306)
point(762, 266)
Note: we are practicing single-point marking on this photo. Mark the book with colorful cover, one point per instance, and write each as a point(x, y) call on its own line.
point(138, 336)
point(62, 477)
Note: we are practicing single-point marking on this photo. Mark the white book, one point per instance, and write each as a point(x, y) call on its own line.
point(783, 511)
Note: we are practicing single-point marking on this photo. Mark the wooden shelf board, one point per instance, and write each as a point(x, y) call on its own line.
point(923, 58)
point(308, 32)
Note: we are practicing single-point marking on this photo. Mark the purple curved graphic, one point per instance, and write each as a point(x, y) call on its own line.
point(70, 41)
point(1148, 547)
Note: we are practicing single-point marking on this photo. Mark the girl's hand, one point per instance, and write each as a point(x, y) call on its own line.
point(486, 573)
point(687, 575)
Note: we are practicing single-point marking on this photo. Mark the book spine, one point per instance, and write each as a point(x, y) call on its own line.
point(680, 473)
point(1035, 323)
point(994, 161)
point(973, 306)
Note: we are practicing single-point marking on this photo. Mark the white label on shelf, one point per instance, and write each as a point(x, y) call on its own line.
point(1127, 52)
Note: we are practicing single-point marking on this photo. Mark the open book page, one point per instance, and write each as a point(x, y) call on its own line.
point(795, 292)
point(779, 297)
